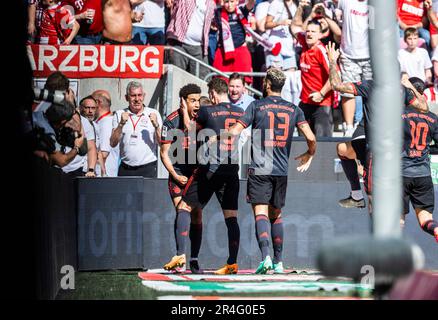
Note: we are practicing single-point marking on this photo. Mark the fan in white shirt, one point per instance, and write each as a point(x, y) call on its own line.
point(413, 60)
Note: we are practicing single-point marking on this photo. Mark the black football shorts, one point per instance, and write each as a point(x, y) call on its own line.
point(420, 192)
point(200, 189)
point(265, 189)
point(176, 190)
point(359, 144)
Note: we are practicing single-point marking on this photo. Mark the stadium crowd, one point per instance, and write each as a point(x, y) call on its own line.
point(262, 34)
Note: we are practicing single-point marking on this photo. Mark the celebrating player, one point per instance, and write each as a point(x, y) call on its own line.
point(273, 121)
point(419, 129)
point(175, 135)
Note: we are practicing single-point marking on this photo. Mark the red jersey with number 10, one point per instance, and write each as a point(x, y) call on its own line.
point(314, 66)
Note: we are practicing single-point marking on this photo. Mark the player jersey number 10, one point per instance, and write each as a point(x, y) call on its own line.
point(417, 133)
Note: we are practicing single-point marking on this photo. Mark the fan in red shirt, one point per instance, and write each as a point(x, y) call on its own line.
point(412, 13)
point(89, 15)
point(58, 24)
point(316, 94)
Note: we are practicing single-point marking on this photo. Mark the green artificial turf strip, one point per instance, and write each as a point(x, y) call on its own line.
point(126, 285)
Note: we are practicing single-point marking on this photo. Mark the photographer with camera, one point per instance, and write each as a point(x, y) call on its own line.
point(58, 129)
point(52, 129)
point(84, 162)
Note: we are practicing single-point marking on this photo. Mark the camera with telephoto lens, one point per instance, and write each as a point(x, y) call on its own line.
point(59, 115)
point(56, 96)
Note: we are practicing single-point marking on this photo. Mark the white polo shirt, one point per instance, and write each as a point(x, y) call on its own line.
point(80, 161)
point(104, 126)
point(138, 145)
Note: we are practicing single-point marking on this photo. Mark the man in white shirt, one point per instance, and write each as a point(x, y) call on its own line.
point(109, 165)
point(88, 109)
point(138, 131)
point(413, 60)
point(150, 30)
point(238, 97)
point(84, 165)
point(355, 60)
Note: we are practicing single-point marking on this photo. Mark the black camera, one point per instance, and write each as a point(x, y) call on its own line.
point(66, 137)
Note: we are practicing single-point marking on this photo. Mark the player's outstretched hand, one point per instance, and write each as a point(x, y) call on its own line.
point(332, 53)
point(304, 161)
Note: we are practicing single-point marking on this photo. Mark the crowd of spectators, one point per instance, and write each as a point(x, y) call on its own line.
point(241, 36)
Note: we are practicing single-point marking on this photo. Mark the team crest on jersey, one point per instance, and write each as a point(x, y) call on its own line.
point(79, 4)
point(226, 34)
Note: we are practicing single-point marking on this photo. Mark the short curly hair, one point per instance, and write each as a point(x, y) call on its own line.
point(189, 89)
point(277, 78)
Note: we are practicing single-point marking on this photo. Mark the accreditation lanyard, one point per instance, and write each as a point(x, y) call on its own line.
point(135, 124)
point(134, 140)
point(103, 116)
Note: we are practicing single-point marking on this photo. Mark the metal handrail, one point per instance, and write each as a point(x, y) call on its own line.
point(216, 71)
point(249, 74)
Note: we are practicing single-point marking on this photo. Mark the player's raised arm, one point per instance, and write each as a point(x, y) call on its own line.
point(305, 159)
point(419, 102)
point(335, 79)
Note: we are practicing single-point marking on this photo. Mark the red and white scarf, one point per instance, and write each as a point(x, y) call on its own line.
point(227, 37)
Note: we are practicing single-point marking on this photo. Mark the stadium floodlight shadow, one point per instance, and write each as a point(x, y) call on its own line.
point(378, 262)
